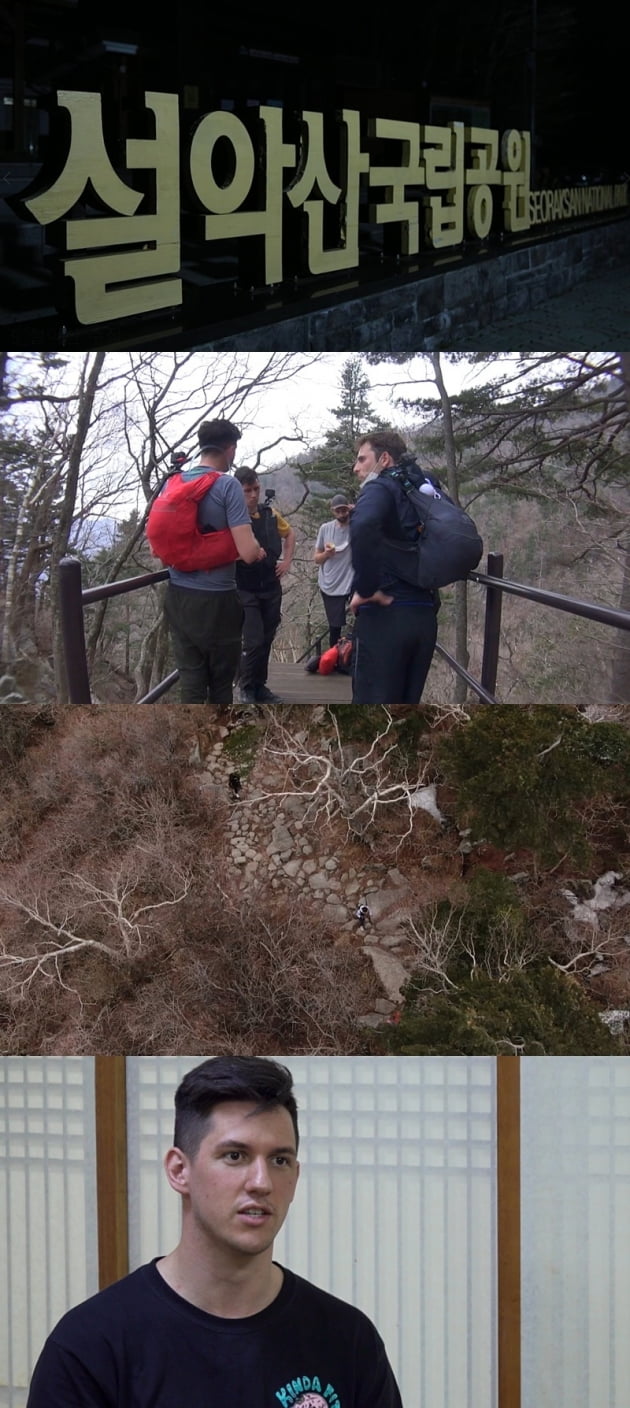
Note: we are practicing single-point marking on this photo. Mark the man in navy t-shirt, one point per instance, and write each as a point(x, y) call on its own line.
point(218, 1323)
point(396, 622)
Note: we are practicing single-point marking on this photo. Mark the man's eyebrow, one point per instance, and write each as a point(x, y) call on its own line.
point(237, 1144)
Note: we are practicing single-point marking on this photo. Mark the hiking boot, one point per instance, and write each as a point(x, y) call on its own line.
point(247, 696)
point(266, 696)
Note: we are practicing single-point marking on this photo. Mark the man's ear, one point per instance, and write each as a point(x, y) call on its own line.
point(176, 1167)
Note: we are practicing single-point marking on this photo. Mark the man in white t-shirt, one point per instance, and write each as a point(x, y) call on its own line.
point(332, 555)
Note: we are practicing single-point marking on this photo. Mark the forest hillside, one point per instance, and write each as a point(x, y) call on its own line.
point(186, 879)
point(537, 453)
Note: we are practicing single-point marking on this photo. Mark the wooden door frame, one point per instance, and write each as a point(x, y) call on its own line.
point(508, 1073)
point(110, 1095)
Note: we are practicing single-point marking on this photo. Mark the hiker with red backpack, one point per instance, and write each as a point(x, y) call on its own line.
point(198, 525)
point(407, 539)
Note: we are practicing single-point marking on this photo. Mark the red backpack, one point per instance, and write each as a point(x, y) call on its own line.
point(173, 531)
point(328, 661)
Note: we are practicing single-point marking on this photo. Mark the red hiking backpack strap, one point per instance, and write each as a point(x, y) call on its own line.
point(173, 530)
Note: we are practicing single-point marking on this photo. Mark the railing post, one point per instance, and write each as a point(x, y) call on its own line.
point(492, 625)
point(73, 631)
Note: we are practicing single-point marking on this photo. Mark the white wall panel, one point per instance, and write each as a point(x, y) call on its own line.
point(48, 1232)
point(395, 1210)
point(576, 1231)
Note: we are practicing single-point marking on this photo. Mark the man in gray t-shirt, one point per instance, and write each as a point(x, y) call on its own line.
point(203, 610)
point(332, 555)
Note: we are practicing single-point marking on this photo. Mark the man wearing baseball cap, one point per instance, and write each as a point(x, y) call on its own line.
point(332, 555)
point(202, 607)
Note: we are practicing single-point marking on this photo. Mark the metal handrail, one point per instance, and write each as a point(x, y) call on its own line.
point(609, 615)
point(73, 599)
point(315, 648)
point(482, 693)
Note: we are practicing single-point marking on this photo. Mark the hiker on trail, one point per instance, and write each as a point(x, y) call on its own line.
point(332, 554)
point(259, 587)
point(217, 1321)
point(396, 622)
point(203, 609)
point(362, 913)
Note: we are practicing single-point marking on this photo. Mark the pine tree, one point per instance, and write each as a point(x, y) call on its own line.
point(333, 462)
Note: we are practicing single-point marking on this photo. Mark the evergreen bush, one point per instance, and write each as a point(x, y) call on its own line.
point(521, 775)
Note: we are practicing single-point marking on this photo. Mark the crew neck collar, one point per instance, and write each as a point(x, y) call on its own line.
point(228, 1324)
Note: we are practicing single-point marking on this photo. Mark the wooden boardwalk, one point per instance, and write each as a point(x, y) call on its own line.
point(295, 686)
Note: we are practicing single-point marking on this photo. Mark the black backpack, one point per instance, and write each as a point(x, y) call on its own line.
point(447, 546)
point(261, 576)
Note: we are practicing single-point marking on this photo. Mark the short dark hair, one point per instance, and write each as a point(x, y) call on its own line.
point(246, 475)
point(218, 434)
point(381, 440)
point(252, 1078)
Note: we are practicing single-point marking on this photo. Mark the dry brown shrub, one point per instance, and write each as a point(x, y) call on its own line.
point(612, 989)
point(107, 841)
point(250, 975)
point(270, 977)
point(20, 725)
point(92, 782)
point(120, 926)
point(581, 948)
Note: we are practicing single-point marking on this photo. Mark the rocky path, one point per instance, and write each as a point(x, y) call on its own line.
point(272, 842)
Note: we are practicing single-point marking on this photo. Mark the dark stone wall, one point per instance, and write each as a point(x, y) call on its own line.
point(434, 311)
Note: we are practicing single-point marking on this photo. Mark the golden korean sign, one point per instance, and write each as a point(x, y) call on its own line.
point(435, 185)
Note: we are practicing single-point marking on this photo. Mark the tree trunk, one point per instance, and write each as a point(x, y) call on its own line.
point(4, 367)
point(98, 617)
point(461, 591)
point(127, 636)
point(8, 650)
point(20, 581)
point(161, 654)
point(61, 539)
point(620, 681)
point(144, 669)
